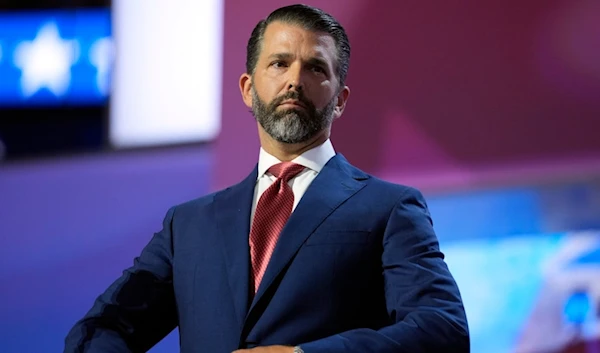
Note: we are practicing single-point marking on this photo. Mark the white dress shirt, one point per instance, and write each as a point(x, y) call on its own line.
point(313, 159)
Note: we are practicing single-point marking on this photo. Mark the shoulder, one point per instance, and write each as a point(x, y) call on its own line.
point(193, 207)
point(389, 190)
point(400, 192)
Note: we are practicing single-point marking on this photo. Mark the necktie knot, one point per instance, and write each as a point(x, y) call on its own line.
point(286, 170)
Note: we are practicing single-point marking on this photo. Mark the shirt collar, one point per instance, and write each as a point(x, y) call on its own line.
point(314, 159)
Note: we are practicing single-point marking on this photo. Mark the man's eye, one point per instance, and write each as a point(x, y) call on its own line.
point(318, 69)
point(278, 64)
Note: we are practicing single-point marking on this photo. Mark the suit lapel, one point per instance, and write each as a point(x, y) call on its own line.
point(233, 208)
point(336, 182)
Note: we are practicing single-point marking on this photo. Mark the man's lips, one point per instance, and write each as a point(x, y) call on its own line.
point(293, 102)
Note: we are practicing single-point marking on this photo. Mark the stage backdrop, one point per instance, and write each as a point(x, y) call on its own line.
point(455, 91)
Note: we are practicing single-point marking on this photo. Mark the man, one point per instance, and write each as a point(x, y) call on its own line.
point(308, 253)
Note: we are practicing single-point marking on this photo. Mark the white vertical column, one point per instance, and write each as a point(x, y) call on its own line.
point(166, 85)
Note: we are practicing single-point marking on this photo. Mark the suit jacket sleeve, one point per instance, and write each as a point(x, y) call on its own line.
point(422, 298)
point(138, 309)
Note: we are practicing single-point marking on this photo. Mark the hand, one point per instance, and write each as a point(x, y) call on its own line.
point(267, 349)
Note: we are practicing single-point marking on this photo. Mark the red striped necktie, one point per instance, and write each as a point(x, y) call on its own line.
point(272, 212)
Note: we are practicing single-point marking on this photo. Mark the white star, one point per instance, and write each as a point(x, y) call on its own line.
point(46, 62)
point(101, 56)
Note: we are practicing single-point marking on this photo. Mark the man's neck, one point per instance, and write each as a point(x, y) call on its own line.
point(288, 151)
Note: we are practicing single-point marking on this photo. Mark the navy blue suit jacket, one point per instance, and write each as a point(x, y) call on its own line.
point(357, 269)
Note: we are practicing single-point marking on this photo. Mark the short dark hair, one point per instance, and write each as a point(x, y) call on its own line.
point(310, 18)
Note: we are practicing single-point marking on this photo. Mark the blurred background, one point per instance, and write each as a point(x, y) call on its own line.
point(112, 112)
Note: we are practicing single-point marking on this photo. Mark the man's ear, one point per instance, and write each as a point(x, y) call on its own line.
point(246, 89)
point(342, 99)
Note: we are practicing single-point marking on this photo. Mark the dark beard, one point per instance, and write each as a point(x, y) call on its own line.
point(293, 125)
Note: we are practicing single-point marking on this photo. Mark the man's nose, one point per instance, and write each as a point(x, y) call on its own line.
point(295, 79)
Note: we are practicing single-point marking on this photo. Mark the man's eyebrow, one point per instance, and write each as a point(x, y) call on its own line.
point(280, 56)
point(317, 61)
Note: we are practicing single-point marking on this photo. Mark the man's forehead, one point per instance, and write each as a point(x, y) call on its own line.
point(280, 34)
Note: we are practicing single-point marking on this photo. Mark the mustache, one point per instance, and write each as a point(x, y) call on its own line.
point(292, 95)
